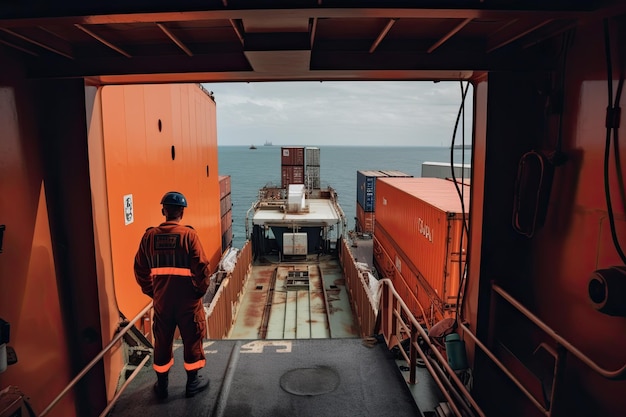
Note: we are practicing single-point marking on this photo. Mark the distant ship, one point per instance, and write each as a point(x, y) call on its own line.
point(252, 147)
point(267, 143)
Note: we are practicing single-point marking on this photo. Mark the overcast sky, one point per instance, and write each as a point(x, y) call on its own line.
point(364, 113)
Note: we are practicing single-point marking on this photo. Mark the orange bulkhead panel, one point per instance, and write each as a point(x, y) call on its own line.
point(155, 139)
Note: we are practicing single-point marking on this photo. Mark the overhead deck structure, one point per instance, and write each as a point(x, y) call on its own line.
point(139, 41)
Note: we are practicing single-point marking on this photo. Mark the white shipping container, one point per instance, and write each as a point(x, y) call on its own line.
point(444, 170)
point(295, 243)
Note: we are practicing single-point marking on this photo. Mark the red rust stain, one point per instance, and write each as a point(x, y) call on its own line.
point(316, 285)
point(351, 328)
point(318, 309)
point(254, 310)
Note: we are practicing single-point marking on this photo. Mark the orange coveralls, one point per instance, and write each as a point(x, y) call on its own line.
point(172, 269)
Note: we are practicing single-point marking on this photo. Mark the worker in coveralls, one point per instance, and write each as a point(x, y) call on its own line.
point(172, 269)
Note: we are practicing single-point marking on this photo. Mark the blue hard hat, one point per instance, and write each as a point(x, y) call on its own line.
point(174, 198)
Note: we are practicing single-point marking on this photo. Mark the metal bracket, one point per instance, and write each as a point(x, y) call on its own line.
point(2, 228)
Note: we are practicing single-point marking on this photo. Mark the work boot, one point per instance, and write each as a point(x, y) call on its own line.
point(195, 383)
point(160, 387)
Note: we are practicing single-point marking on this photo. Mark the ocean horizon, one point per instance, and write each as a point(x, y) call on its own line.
point(251, 169)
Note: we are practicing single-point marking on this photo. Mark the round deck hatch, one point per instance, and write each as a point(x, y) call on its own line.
point(310, 381)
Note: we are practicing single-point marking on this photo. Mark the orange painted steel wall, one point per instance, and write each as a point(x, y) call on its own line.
point(423, 216)
point(109, 310)
point(29, 297)
point(141, 124)
point(576, 238)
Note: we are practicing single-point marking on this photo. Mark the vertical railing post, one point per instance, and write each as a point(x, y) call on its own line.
point(413, 354)
point(557, 380)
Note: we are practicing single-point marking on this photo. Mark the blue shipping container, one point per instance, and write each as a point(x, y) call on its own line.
point(366, 186)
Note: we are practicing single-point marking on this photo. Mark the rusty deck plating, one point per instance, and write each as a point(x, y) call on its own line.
point(295, 300)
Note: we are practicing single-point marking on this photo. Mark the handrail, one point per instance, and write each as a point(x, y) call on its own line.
point(563, 347)
point(119, 392)
point(504, 369)
point(95, 360)
point(388, 326)
point(617, 374)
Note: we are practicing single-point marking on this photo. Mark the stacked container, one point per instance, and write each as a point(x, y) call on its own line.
point(444, 170)
point(226, 212)
point(366, 197)
point(292, 165)
point(312, 168)
point(419, 241)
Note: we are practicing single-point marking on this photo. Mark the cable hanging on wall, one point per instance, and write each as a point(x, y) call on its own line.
point(612, 128)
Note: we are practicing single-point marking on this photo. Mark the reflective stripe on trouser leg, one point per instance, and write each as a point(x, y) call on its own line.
point(163, 368)
point(163, 329)
point(193, 330)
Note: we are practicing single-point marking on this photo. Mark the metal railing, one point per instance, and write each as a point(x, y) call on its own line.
point(360, 297)
point(96, 359)
point(396, 323)
point(563, 348)
point(222, 310)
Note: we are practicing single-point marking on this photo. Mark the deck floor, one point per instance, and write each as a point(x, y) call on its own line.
point(309, 362)
point(274, 306)
point(304, 377)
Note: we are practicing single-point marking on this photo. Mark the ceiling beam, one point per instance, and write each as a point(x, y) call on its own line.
point(37, 43)
point(103, 41)
point(448, 35)
point(174, 39)
point(357, 12)
point(382, 35)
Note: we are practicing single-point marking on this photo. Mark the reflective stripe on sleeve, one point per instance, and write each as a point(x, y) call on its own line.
point(171, 270)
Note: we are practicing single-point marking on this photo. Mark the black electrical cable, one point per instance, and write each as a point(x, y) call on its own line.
point(462, 271)
point(612, 119)
point(558, 156)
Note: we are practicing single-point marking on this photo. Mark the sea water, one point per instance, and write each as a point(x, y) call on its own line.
point(251, 169)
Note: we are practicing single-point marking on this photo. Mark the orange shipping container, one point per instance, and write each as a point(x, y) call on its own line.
point(224, 185)
point(364, 219)
point(227, 221)
point(417, 294)
point(226, 204)
point(227, 239)
point(422, 217)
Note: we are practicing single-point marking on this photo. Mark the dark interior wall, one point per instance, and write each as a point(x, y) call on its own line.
point(549, 272)
point(48, 290)
point(61, 119)
point(513, 117)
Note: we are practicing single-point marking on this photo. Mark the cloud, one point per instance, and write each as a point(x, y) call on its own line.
point(364, 113)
